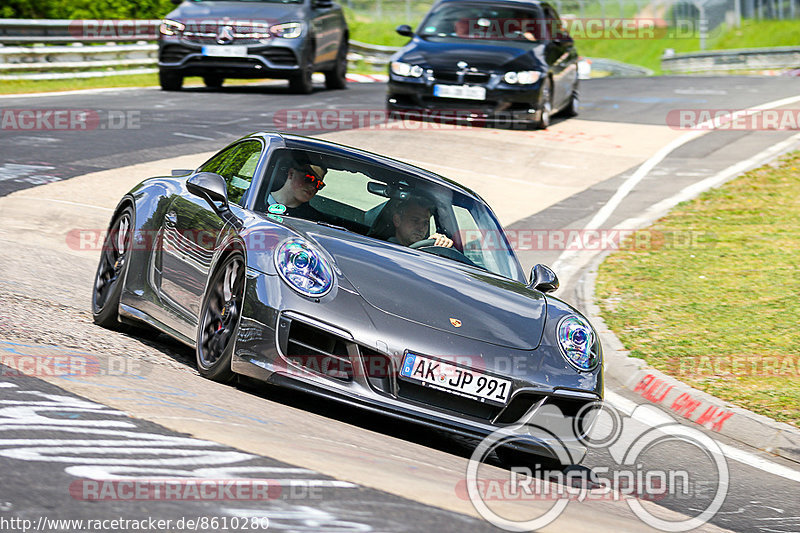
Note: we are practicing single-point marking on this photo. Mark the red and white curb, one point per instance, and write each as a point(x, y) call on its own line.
point(356, 78)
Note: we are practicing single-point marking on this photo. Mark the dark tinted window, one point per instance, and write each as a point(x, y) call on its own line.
point(237, 165)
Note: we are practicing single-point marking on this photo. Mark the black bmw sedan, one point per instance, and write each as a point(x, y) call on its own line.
point(504, 61)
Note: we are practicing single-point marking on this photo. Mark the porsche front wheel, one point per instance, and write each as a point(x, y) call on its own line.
point(219, 320)
point(110, 276)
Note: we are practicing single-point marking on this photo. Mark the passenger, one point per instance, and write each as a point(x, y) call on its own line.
point(412, 223)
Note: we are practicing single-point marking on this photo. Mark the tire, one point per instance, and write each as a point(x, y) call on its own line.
point(170, 81)
point(301, 82)
point(545, 106)
point(213, 81)
point(337, 78)
point(111, 271)
point(219, 319)
point(574, 105)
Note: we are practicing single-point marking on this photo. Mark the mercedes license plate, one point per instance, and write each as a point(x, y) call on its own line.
point(225, 51)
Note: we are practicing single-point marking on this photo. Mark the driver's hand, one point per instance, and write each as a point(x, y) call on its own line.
point(442, 240)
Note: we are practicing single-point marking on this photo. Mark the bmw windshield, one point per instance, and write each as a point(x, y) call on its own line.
point(483, 22)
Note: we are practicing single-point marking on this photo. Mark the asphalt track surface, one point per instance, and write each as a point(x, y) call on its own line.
point(196, 120)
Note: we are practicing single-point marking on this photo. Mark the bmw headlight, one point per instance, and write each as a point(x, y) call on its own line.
point(289, 30)
point(526, 77)
point(577, 342)
point(304, 268)
point(171, 27)
point(406, 69)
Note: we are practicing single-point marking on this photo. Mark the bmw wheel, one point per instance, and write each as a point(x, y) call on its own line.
point(545, 106)
point(219, 319)
point(114, 260)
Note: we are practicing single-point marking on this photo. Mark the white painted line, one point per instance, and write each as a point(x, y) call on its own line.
point(190, 136)
point(63, 202)
point(628, 407)
point(627, 186)
point(77, 91)
point(6, 385)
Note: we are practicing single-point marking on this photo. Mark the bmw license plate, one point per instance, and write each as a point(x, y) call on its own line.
point(465, 92)
point(225, 51)
point(456, 379)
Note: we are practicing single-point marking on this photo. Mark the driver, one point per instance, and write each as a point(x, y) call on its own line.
point(302, 184)
point(412, 223)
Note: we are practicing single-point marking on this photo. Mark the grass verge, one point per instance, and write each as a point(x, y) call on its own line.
point(716, 306)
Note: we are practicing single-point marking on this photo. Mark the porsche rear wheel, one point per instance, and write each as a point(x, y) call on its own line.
point(219, 319)
point(114, 260)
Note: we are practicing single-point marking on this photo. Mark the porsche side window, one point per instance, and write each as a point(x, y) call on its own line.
point(237, 165)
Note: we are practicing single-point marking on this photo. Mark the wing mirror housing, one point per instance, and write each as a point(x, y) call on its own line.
point(322, 3)
point(211, 187)
point(405, 30)
point(543, 279)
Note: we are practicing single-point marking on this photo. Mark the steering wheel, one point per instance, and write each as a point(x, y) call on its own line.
point(450, 253)
point(422, 243)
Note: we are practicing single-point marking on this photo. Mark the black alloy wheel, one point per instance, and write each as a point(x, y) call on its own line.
point(219, 319)
point(337, 78)
point(301, 82)
point(110, 276)
point(545, 107)
point(170, 81)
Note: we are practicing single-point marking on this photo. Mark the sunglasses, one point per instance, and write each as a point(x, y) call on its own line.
point(315, 181)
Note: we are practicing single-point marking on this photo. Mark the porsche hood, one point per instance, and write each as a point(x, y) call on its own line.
point(438, 292)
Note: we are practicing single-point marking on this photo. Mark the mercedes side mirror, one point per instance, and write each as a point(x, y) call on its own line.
point(210, 186)
point(405, 30)
point(543, 279)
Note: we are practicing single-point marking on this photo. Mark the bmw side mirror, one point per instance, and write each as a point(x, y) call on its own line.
point(543, 279)
point(405, 30)
point(210, 186)
point(322, 3)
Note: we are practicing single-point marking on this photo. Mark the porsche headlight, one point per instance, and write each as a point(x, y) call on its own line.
point(289, 30)
point(406, 69)
point(171, 27)
point(304, 268)
point(577, 342)
point(526, 77)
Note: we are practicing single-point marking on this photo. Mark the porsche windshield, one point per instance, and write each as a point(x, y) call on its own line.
point(482, 22)
point(385, 203)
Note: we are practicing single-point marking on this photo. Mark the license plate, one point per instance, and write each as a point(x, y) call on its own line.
point(465, 92)
point(456, 379)
point(225, 51)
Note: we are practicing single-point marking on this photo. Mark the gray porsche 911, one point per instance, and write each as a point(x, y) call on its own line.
point(324, 268)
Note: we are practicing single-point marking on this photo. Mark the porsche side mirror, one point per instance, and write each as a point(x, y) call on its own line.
point(210, 186)
point(543, 279)
point(405, 30)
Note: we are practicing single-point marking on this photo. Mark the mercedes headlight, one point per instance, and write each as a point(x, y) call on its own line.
point(304, 268)
point(406, 69)
point(578, 343)
point(289, 30)
point(171, 27)
point(526, 77)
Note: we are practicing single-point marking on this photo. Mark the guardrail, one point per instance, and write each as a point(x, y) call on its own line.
point(727, 60)
point(84, 51)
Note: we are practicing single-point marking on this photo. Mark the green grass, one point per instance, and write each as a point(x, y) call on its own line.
point(648, 52)
point(731, 294)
